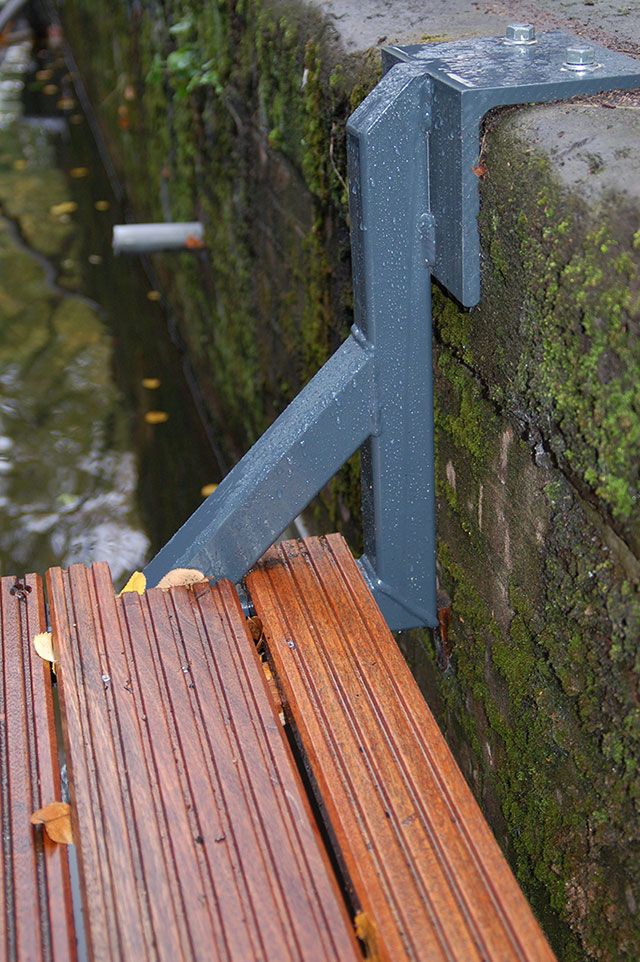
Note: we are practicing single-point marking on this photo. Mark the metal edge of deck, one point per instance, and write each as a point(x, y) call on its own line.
point(195, 838)
point(424, 866)
point(37, 919)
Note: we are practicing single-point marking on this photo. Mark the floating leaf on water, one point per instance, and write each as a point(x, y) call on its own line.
point(66, 103)
point(19, 164)
point(153, 295)
point(151, 383)
point(137, 582)
point(156, 417)
point(78, 172)
point(95, 258)
point(207, 489)
point(43, 644)
point(66, 207)
point(56, 819)
point(181, 577)
point(44, 75)
point(50, 89)
point(102, 205)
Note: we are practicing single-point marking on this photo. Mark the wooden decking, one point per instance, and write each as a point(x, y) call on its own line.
point(195, 836)
point(36, 921)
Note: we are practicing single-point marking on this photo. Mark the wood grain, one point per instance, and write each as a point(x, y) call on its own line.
point(195, 837)
point(421, 861)
point(36, 918)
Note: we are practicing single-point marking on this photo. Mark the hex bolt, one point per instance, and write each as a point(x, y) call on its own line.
point(520, 33)
point(580, 58)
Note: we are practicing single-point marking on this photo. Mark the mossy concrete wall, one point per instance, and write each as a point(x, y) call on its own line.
point(234, 112)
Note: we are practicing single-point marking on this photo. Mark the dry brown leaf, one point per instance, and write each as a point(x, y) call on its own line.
point(43, 644)
point(56, 819)
point(137, 582)
point(181, 577)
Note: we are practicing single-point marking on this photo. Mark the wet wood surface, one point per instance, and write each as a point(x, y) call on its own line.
point(36, 916)
point(422, 865)
point(194, 834)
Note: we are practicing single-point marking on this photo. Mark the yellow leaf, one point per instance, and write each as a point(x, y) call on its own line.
point(56, 819)
point(207, 490)
point(66, 103)
point(181, 577)
point(66, 207)
point(43, 644)
point(101, 205)
point(366, 932)
point(154, 295)
point(151, 383)
point(19, 164)
point(156, 417)
point(43, 75)
point(78, 172)
point(50, 89)
point(137, 582)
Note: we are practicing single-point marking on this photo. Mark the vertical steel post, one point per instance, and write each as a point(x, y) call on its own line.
point(392, 249)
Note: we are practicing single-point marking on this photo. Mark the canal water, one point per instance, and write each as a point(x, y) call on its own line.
point(103, 453)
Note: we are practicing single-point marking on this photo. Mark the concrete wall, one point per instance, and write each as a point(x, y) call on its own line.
point(234, 112)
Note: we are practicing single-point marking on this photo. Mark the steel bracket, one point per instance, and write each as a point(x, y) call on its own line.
point(412, 146)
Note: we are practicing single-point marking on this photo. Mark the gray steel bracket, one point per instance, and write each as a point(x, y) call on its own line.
point(412, 145)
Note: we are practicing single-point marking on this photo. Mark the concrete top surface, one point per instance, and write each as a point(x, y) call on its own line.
point(366, 23)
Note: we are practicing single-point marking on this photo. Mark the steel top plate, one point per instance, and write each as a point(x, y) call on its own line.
point(490, 63)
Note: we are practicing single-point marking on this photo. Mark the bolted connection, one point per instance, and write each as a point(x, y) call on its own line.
point(579, 58)
point(520, 33)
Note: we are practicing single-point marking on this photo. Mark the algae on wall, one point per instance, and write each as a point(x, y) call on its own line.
point(234, 112)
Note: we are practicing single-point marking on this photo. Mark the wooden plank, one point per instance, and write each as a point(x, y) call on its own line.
point(424, 868)
point(195, 837)
point(36, 921)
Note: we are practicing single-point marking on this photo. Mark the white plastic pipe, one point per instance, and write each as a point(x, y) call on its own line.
point(147, 238)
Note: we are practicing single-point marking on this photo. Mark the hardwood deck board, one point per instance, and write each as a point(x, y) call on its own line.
point(36, 920)
point(422, 862)
point(195, 837)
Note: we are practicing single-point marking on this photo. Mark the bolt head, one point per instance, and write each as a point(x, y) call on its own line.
point(582, 56)
point(520, 33)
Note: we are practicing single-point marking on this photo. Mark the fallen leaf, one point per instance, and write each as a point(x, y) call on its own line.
point(255, 627)
point(194, 243)
point(50, 89)
point(56, 819)
point(137, 582)
point(66, 103)
point(153, 295)
point(480, 170)
point(44, 75)
point(78, 172)
point(366, 932)
point(66, 207)
point(208, 489)
point(101, 205)
point(19, 164)
point(156, 417)
point(43, 644)
point(181, 577)
point(151, 383)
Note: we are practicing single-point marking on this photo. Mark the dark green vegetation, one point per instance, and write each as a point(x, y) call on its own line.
point(234, 112)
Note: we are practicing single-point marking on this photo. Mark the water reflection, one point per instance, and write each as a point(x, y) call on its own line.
point(83, 476)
